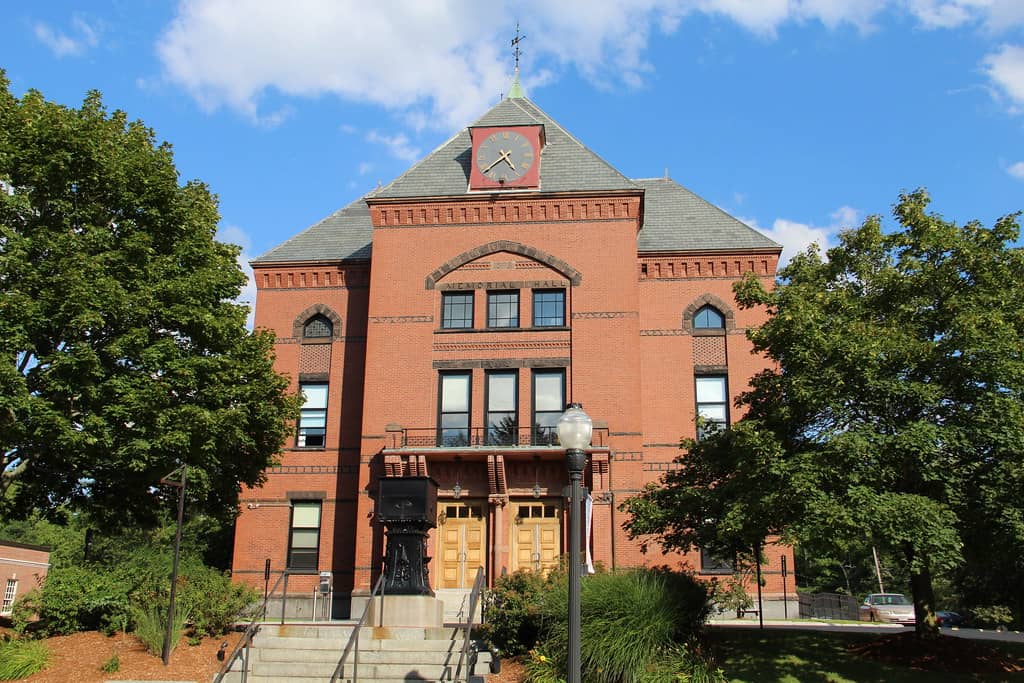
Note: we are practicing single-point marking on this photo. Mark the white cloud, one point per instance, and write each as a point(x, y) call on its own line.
point(1006, 70)
point(440, 64)
point(795, 237)
point(232, 234)
point(397, 145)
point(1016, 170)
point(84, 35)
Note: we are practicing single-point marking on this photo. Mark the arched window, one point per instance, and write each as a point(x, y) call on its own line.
point(708, 318)
point(317, 326)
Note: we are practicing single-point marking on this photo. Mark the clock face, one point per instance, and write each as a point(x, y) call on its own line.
point(504, 156)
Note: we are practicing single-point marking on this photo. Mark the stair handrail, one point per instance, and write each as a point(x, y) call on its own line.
point(252, 629)
point(353, 639)
point(474, 598)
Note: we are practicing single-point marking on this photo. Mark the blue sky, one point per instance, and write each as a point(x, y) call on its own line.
point(798, 116)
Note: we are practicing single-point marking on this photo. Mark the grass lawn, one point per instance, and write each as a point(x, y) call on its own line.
point(752, 656)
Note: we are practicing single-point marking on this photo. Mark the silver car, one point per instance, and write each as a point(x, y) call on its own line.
point(888, 607)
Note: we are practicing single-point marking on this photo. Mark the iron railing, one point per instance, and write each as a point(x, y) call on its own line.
point(828, 606)
point(353, 639)
point(459, 437)
point(464, 666)
point(245, 644)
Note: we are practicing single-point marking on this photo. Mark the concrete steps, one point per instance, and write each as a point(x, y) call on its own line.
point(309, 653)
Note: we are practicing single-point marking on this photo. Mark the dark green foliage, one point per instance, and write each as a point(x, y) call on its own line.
point(123, 356)
point(893, 415)
point(22, 658)
point(512, 612)
point(629, 620)
point(74, 599)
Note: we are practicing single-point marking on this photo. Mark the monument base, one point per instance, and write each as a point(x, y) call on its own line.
point(406, 611)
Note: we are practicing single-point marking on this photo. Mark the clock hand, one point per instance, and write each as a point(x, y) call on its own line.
point(493, 163)
point(505, 156)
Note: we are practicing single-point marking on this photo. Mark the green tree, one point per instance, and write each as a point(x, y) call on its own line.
point(122, 355)
point(894, 411)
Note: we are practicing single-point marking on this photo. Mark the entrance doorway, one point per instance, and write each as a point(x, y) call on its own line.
point(462, 543)
point(538, 535)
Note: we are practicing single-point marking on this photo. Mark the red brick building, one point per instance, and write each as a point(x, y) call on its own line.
point(22, 568)
point(439, 325)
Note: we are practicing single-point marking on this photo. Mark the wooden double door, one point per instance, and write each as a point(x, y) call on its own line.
point(462, 539)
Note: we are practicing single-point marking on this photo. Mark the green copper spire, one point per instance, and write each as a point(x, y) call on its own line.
point(516, 90)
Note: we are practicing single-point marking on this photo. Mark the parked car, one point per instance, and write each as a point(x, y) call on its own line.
point(893, 608)
point(947, 618)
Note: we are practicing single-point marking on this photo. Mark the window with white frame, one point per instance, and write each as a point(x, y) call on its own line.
point(712, 404)
point(304, 537)
point(10, 592)
point(313, 418)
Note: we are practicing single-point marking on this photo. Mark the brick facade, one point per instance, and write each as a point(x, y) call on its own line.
point(627, 347)
point(22, 568)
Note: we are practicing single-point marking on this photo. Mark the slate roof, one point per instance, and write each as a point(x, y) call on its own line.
point(675, 219)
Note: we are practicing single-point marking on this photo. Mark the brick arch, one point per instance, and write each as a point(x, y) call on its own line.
point(553, 262)
point(709, 300)
point(317, 309)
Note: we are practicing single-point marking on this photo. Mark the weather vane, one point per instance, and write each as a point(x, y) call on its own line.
point(516, 52)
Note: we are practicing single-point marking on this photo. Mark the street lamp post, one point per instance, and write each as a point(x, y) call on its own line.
point(574, 430)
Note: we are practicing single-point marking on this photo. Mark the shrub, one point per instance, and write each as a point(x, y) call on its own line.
point(684, 663)
point(213, 601)
point(992, 616)
point(74, 599)
point(151, 626)
point(629, 619)
point(512, 612)
point(22, 658)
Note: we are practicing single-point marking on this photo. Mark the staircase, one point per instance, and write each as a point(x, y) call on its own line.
point(308, 653)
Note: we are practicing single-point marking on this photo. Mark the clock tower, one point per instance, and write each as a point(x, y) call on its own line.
point(506, 157)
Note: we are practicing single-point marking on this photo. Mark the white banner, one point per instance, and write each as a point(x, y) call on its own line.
point(589, 524)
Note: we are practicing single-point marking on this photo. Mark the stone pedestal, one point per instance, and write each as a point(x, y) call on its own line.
point(406, 611)
point(406, 560)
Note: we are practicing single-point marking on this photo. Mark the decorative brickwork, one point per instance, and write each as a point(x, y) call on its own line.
point(315, 359)
point(557, 264)
point(709, 350)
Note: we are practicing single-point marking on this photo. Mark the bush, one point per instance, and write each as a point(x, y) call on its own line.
point(512, 612)
point(112, 665)
point(22, 658)
point(992, 616)
point(151, 627)
point(629, 620)
point(213, 601)
point(74, 599)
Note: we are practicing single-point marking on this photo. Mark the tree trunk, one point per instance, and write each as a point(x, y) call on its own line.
point(924, 602)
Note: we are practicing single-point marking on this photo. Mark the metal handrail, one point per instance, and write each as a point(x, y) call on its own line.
point(251, 630)
point(474, 598)
point(473, 437)
point(353, 640)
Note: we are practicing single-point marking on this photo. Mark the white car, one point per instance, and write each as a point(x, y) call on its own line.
point(889, 607)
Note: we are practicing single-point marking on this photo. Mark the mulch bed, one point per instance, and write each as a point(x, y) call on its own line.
point(938, 653)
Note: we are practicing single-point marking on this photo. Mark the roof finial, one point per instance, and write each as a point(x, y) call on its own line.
point(516, 90)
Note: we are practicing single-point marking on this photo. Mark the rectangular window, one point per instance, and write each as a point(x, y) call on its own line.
point(549, 308)
point(548, 405)
point(711, 404)
point(456, 310)
point(502, 400)
point(313, 418)
point(453, 425)
point(503, 309)
point(710, 563)
point(304, 541)
point(10, 591)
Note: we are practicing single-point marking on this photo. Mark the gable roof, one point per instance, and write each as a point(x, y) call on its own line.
point(676, 219)
point(566, 165)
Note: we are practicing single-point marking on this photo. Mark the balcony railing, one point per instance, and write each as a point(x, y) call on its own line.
point(457, 437)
